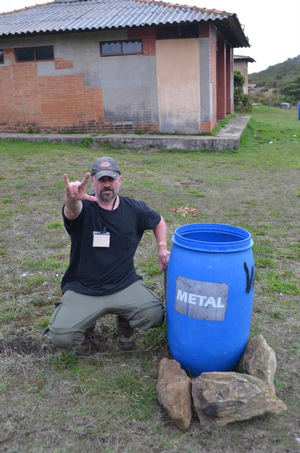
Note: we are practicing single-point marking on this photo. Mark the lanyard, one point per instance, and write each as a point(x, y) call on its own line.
point(106, 218)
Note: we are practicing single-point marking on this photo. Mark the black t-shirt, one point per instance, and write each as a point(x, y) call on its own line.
point(97, 271)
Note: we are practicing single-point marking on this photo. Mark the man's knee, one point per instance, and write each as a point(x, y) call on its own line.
point(62, 338)
point(157, 316)
point(148, 318)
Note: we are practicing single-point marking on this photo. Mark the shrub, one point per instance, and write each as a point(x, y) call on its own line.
point(241, 101)
point(291, 90)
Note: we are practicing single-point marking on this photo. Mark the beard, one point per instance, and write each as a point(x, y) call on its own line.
point(107, 194)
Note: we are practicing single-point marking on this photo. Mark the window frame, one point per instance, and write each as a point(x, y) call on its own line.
point(122, 53)
point(34, 54)
point(2, 62)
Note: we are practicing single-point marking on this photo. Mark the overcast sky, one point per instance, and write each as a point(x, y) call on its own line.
point(273, 27)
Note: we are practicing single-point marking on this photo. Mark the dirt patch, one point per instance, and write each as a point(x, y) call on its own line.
point(23, 346)
point(190, 182)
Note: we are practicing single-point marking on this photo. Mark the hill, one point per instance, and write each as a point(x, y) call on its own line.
point(275, 76)
point(271, 84)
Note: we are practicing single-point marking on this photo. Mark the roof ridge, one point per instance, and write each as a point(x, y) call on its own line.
point(204, 9)
point(158, 2)
point(25, 8)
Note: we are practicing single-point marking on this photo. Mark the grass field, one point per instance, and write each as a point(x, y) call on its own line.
point(53, 401)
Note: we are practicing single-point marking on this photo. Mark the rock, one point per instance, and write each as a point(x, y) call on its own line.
point(259, 360)
point(222, 398)
point(174, 392)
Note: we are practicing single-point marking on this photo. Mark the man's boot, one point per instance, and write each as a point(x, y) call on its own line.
point(86, 347)
point(126, 339)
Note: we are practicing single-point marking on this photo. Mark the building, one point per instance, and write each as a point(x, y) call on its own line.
point(241, 65)
point(116, 65)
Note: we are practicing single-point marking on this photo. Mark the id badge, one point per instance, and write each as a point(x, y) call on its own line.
point(101, 239)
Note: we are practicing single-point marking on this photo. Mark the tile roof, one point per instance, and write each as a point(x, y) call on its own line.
point(86, 15)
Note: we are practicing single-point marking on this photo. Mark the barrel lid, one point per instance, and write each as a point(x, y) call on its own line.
point(212, 237)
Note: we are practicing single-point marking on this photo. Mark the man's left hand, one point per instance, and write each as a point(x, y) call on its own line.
point(163, 258)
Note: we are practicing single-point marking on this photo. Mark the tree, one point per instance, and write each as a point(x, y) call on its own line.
point(291, 89)
point(239, 81)
point(241, 101)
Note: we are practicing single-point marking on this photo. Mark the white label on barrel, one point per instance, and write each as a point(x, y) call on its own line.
point(201, 300)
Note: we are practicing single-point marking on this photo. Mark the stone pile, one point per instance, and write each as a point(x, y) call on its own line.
point(220, 398)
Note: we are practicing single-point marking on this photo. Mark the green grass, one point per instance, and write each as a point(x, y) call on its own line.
point(150, 266)
point(54, 224)
point(51, 399)
point(283, 285)
point(196, 193)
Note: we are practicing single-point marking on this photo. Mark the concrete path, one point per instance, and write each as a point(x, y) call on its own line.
point(228, 138)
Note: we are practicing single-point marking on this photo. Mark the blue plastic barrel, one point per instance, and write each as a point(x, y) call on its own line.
point(298, 110)
point(210, 287)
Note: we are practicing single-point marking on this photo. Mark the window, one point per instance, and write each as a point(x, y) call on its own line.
point(178, 31)
point(25, 54)
point(1, 56)
point(35, 53)
point(111, 48)
point(130, 47)
point(44, 53)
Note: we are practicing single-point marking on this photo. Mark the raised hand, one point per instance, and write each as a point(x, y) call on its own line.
point(76, 190)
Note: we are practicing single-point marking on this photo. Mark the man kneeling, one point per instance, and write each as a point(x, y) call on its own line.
point(105, 229)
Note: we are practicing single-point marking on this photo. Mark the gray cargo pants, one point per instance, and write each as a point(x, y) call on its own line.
point(77, 312)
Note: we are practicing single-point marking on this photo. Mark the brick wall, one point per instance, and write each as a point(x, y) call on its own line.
point(207, 30)
point(213, 72)
point(54, 103)
point(60, 100)
point(148, 35)
point(60, 63)
point(229, 79)
point(221, 78)
point(49, 103)
point(206, 126)
point(204, 30)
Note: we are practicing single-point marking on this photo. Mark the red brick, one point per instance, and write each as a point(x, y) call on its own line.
point(206, 126)
point(60, 63)
point(48, 102)
point(148, 35)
